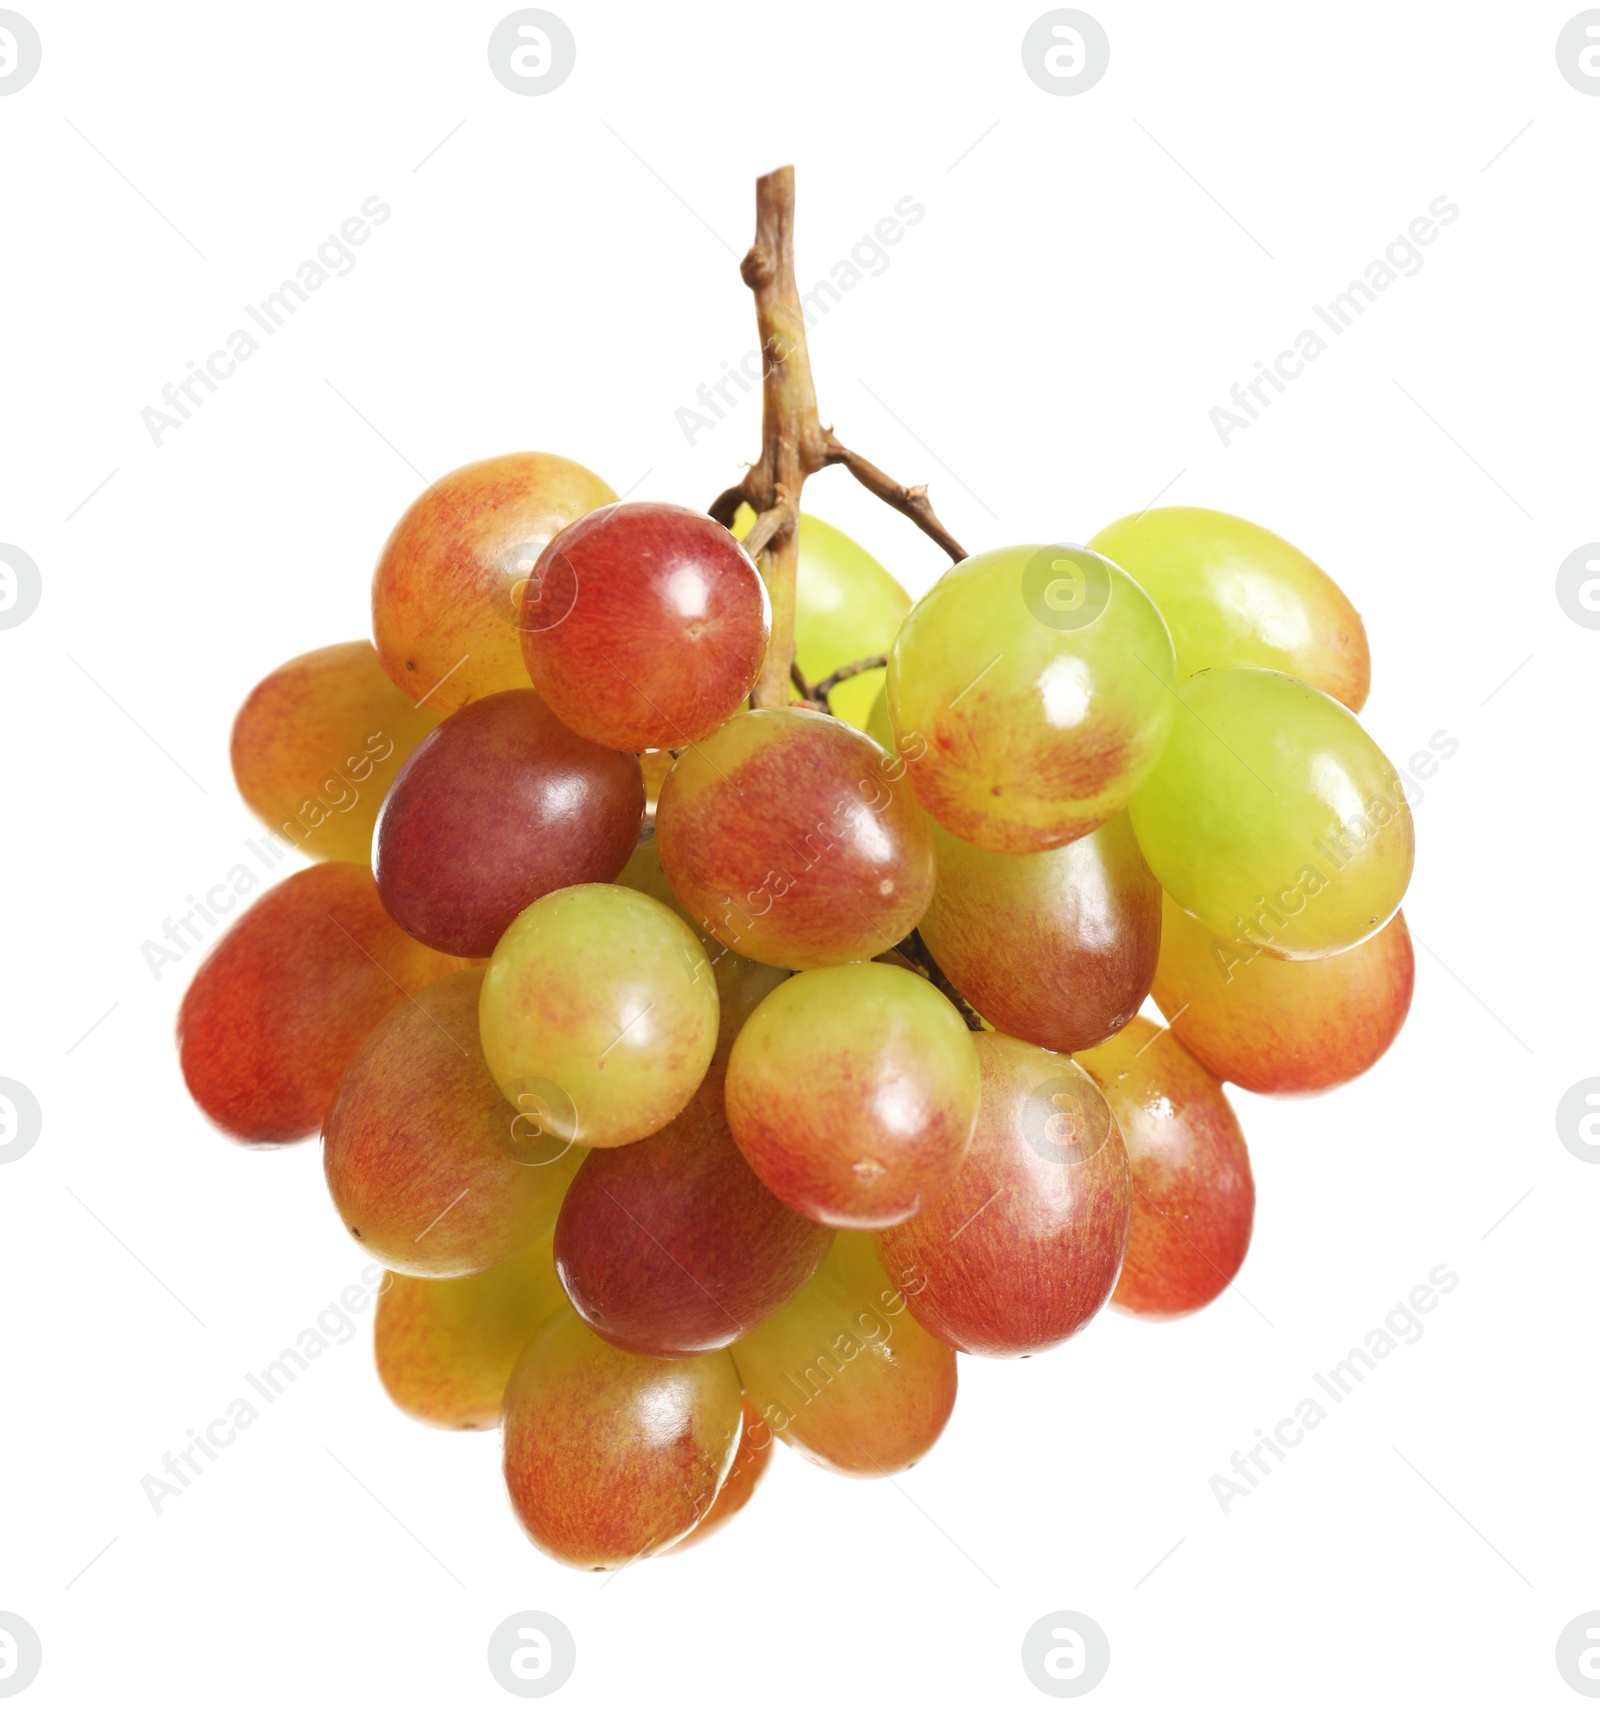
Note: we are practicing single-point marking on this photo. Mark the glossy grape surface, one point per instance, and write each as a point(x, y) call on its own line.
point(853, 1092)
point(1194, 1197)
point(795, 840)
point(1275, 817)
point(610, 1456)
point(1283, 1026)
point(423, 1156)
point(1025, 1248)
point(671, 1245)
point(1031, 692)
point(446, 592)
point(749, 1466)
point(499, 806)
point(599, 1014)
point(317, 744)
point(644, 625)
point(1233, 593)
point(1056, 948)
point(845, 1374)
point(279, 1006)
point(446, 1347)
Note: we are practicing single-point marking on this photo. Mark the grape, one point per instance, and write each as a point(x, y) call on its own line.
point(853, 1092)
point(1031, 692)
point(427, 1166)
point(672, 1246)
point(845, 1374)
point(446, 1347)
point(1194, 1198)
point(286, 995)
point(1234, 594)
point(501, 805)
point(446, 590)
point(1056, 948)
point(1025, 1248)
point(795, 840)
point(749, 1467)
point(1274, 816)
point(1283, 1026)
point(741, 983)
point(611, 1455)
point(318, 742)
point(846, 607)
point(599, 1014)
point(644, 625)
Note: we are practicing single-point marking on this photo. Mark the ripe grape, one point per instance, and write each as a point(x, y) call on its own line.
point(1275, 817)
point(599, 1014)
point(286, 995)
point(1194, 1198)
point(612, 1455)
point(446, 590)
point(749, 1466)
point(853, 1092)
point(1031, 692)
point(1056, 948)
point(446, 1346)
point(1235, 594)
point(1025, 1248)
point(741, 983)
point(644, 625)
point(672, 1246)
point(1282, 1026)
point(424, 1160)
point(845, 1374)
point(316, 745)
point(795, 840)
point(501, 805)
point(846, 607)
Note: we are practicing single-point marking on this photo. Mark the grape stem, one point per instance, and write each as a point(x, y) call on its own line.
point(794, 443)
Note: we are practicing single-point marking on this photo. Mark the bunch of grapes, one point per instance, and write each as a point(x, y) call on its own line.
point(705, 1072)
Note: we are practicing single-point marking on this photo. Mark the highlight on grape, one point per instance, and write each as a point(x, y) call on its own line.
point(720, 991)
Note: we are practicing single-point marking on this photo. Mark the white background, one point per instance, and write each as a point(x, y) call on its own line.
point(1045, 347)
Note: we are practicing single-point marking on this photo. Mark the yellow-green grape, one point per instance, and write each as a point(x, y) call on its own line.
point(846, 607)
point(598, 1015)
point(1275, 817)
point(877, 725)
point(1233, 593)
point(1031, 691)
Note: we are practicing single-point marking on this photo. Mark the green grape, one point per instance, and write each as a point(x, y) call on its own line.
point(846, 607)
point(1031, 691)
point(1233, 593)
point(599, 1014)
point(1274, 816)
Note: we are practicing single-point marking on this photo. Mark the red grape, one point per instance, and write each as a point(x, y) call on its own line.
point(1025, 1248)
point(288, 992)
point(1193, 1195)
point(422, 1153)
point(749, 1467)
point(795, 840)
point(499, 806)
point(672, 1246)
point(1057, 948)
point(644, 625)
point(611, 1455)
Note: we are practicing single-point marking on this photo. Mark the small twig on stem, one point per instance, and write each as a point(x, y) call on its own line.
point(909, 501)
